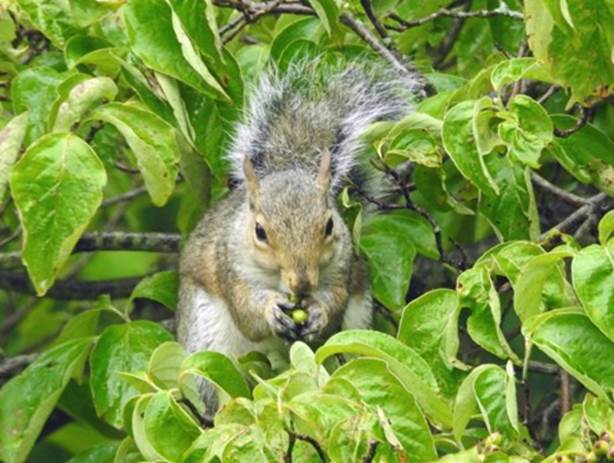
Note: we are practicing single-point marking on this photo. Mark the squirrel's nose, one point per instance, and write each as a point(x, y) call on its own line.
point(300, 286)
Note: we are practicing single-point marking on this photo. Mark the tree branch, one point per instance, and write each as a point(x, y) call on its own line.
point(501, 11)
point(581, 122)
point(578, 215)
point(11, 365)
point(111, 241)
point(558, 192)
point(71, 289)
point(364, 33)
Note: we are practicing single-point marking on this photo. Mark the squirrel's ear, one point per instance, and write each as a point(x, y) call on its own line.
point(251, 180)
point(325, 173)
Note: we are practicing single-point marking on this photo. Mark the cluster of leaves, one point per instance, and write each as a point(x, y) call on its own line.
point(97, 96)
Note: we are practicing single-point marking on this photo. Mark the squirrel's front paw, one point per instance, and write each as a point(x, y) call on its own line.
point(315, 324)
point(280, 322)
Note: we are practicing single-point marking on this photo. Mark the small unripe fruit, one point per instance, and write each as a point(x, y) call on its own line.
point(496, 438)
point(591, 457)
point(563, 459)
point(299, 316)
point(606, 436)
point(611, 454)
point(601, 447)
point(294, 298)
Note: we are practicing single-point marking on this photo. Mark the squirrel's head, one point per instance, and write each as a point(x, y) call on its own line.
point(292, 227)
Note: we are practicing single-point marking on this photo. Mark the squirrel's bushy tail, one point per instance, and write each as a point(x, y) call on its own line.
point(314, 106)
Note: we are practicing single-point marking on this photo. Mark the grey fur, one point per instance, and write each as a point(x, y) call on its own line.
point(291, 121)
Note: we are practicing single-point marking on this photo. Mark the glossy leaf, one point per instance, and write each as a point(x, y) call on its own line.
point(153, 142)
point(57, 187)
point(121, 348)
point(429, 325)
point(11, 138)
point(161, 287)
point(459, 142)
point(396, 401)
point(152, 33)
point(411, 369)
point(593, 279)
point(572, 341)
point(27, 400)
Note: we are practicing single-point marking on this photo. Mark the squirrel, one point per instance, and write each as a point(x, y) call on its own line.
point(278, 235)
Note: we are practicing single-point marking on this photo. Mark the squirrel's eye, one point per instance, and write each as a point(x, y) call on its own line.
point(260, 233)
point(329, 227)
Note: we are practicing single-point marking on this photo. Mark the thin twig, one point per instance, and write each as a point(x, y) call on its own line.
point(314, 443)
point(11, 237)
point(10, 365)
point(448, 42)
point(379, 27)
point(577, 216)
point(565, 392)
point(547, 94)
point(368, 458)
point(71, 289)
point(581, 122)
point(127, 196)
point(364, 33)
point(291, 442)
point(501, 11)
point(558, 192)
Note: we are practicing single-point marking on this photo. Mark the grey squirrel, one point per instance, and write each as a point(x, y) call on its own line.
point(278, 236)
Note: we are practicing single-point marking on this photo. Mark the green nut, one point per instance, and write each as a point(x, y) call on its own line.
point(601, 447)
point(294, 298)
point(299, 316)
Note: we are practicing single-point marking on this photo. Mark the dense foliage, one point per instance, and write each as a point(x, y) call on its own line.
point(491, 259)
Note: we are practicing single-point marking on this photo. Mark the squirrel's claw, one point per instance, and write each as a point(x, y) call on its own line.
point(316, 322)
point(283, 326)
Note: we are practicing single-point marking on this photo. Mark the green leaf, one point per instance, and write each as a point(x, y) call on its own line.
point(541, 273)
point(159, 40)
point(491, 391)
point(169, 429)
point(328, 13)
point(26, 401)
point(587, 154)
point(102, 453)
point(161, 287)
point(512, 212)
point(477, 292)
point(57, 187)
point(380, 387)
point(11, 138)
point(459, 142)
point(198, 21)
point(84, 49)
point(153, 142)
point(165, 364)
point(572, 341)
point(592, 272)
point(411, 369)
point(485, 122)
point(578, 57)
point(606, 227)
point(219, 370)
point(34, 90)
point(429, 325)
point(515, 69)
point(526, 131)
point(599, 414)
point(388, 241)
point(59, 20)
point(81, 98)
point(121, 348)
